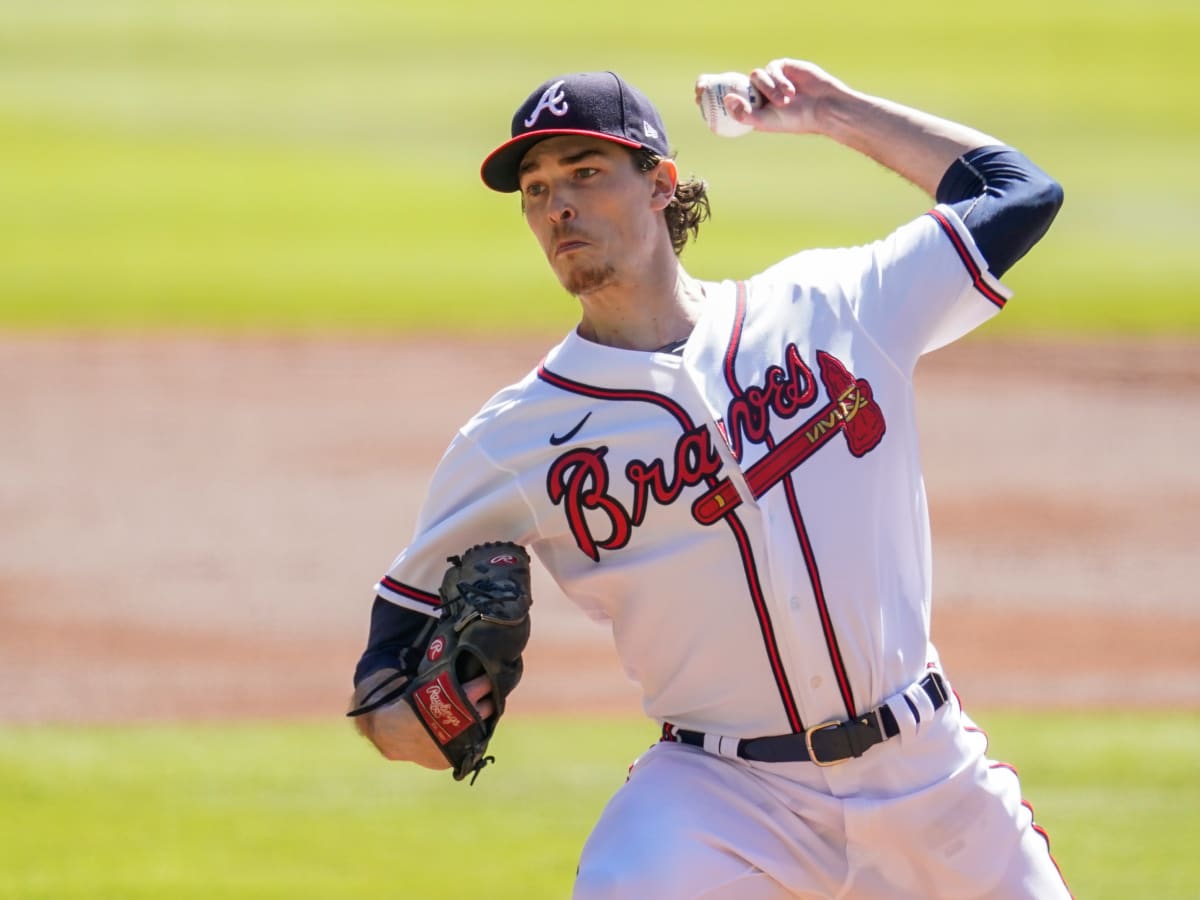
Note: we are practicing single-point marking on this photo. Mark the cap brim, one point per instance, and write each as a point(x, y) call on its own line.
point(499, 170)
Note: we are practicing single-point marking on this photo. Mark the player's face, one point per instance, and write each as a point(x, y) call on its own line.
point(595, 215)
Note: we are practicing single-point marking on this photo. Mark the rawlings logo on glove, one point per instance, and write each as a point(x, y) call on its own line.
point(483, 630)
point(435, 703)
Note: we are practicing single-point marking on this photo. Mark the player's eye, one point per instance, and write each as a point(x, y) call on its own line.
point(585, 172)
point(534, 189)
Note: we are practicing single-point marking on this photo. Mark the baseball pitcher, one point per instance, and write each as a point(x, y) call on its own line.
point(727, 474)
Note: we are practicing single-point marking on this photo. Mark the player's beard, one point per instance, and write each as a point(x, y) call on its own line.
point(589, 280)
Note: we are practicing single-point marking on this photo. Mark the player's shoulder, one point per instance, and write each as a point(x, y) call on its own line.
point(821, 267)
point(513, 403)
point(812, 264)
point(820, 275)
point(505, 401)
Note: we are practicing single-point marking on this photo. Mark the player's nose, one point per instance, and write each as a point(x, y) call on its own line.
point(560, 209)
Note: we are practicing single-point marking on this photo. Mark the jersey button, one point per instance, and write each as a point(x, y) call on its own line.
point(795, 602)
point(815, 681)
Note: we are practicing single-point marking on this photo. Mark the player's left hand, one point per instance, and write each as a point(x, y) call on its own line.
point(480, 636)
point(400, 735)
point(799, 96)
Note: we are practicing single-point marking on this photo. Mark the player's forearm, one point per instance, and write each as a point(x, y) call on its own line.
point(917, 145)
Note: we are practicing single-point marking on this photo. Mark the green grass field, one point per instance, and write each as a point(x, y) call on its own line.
point(311, 164)
point(309, 811)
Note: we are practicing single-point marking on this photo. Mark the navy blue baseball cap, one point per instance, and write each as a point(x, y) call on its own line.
point(596, 104)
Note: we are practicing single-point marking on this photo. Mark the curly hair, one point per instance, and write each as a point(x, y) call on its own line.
point(687, 209)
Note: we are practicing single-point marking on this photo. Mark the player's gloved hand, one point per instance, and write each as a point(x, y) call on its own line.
point(473, 651)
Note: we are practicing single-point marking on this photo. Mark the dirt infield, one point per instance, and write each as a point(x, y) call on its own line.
point(191, 527)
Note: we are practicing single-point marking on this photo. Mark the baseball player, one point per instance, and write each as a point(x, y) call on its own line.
point(727, 474)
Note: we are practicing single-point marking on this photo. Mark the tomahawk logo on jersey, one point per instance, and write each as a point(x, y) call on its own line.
point(781, 443)
point(580, 480)
point(744, 507)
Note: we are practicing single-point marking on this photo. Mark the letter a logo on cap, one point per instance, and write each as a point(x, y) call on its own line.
point(553, 101)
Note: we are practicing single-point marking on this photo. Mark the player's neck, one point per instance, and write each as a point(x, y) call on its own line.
point(645, 316)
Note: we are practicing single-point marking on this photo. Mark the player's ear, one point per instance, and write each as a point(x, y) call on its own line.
point(665, 176)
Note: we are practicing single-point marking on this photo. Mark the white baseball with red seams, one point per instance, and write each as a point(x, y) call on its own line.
point(711, 91)
point(614, 518)
point(749, 518)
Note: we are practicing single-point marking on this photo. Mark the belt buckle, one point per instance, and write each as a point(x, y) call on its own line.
point(808, 738)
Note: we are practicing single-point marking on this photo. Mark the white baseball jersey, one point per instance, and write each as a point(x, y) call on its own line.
point(750, 515)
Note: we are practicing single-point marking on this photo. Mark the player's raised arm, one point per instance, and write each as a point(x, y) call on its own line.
point(1005, 200)
point(802, 98)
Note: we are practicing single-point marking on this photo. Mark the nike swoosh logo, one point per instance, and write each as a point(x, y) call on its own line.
point(555, 440)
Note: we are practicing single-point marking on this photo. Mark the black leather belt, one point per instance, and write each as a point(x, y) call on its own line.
point(829, 743)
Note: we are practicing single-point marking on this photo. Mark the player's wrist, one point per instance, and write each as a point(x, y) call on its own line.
point(840, 115)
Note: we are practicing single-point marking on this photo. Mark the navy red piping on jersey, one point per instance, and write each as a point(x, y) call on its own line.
point(968, 261)
point(814, 575)
point(810, 562)
point(409, 592)
point(749, 566)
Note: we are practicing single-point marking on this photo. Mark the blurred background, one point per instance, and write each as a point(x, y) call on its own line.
point(250, 283)
point(304, 164)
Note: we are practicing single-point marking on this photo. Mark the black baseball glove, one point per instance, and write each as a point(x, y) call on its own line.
point(483, 630)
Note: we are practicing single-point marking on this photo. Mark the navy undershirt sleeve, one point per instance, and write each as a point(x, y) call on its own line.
point(389, 645)
point(1006, 202)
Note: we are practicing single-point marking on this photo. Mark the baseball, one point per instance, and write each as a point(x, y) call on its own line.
point(710, 97)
